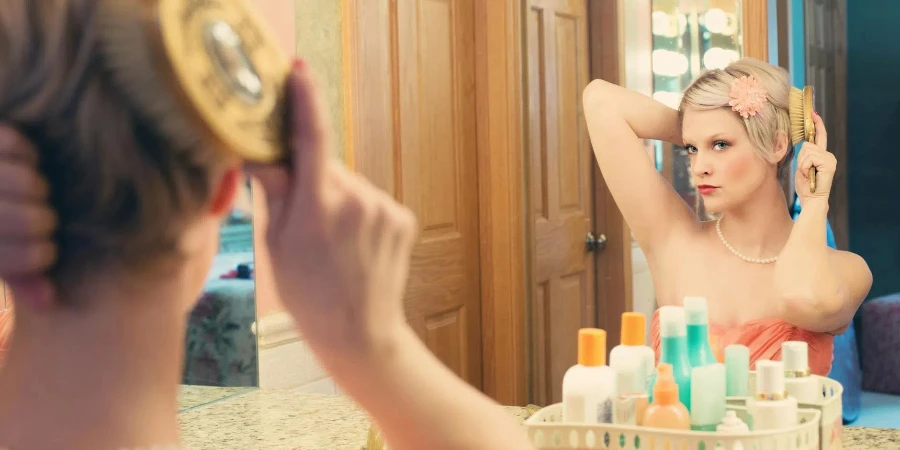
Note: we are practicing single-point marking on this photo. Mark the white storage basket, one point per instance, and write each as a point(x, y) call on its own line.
point(831, 430)
point(819, 428)
point(546, 432)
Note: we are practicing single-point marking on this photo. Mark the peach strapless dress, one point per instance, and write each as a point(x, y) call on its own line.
point(764, 338)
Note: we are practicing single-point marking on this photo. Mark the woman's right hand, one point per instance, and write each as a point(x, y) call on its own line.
point(340, 250)
point(340, 247)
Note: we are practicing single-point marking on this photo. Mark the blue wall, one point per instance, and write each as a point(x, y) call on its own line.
point(873, 66)
point(798, 49)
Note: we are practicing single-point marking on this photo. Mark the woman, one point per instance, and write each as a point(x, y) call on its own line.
point(96, 353)
point(767, 278)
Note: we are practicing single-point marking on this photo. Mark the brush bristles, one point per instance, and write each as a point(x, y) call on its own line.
point(128, 56)
point(374, 441)
point(797, 116)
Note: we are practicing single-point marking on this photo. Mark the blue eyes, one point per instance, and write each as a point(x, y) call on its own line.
point(718, 146)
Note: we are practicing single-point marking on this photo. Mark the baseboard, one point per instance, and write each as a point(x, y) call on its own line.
point(275, 330)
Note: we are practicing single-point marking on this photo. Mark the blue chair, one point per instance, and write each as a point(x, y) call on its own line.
point(846, 367)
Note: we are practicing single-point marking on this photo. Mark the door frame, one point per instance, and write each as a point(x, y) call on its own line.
point(614, 267)
point(499, 85)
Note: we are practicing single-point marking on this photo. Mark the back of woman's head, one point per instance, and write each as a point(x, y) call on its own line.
point(712, 90)
point(122, 190)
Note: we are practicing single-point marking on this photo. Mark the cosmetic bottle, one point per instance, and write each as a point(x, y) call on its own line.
point(737, 368)
point(673, 350)
point(770, 407)
point(589, 387)
point(696, 313)
point(732, 424)
point(666, 411)
point(707, 397)
point(798, 381)
point(633, 346)
point(632, 399)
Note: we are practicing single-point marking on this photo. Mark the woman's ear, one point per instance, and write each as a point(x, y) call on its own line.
point(781, 146)
point(225, 191)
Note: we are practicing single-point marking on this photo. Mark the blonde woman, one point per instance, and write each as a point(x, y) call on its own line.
point(767, 278)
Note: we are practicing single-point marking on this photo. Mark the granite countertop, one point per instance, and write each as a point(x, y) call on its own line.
point(193, 396)
point(287, 420)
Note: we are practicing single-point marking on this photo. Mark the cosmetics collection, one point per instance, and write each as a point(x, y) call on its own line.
point(689, 387)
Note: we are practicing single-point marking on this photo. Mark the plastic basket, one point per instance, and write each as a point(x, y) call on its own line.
point(831, 430)
point(546, 432)
point(819, 428)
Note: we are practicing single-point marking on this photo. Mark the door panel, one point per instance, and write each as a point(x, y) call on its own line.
point(826, 70)
point(428, 120)
point(559, 168)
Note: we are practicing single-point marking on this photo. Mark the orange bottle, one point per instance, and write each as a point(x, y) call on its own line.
point(666, 411)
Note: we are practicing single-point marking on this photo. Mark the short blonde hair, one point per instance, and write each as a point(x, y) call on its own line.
point(712, 90)
point(123, 191)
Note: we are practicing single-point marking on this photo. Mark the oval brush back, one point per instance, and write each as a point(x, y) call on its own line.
point(204, 72)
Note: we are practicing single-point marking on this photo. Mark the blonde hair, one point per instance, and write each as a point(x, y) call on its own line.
point(712, 90)
point(122, 190)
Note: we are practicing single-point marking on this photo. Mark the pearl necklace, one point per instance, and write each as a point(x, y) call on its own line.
point(737, 253)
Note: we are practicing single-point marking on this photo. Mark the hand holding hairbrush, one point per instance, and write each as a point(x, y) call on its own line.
point(815, 164)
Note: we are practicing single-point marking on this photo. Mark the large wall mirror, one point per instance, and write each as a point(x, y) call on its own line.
point(688, 38)
point(221, 354)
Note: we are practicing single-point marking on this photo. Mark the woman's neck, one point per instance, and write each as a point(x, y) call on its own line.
point(761, 226)
point(106, 376)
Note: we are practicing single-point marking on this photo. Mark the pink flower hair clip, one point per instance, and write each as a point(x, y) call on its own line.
point(748, 97)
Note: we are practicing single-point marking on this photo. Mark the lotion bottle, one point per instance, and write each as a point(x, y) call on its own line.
point(696, 312)
point(673, 349)
point(732, 424)
point(707, 397)
point(737, 368)
point(634, 347)
point(798, 381)
point(771, 408)
point(589, 387)
point(666, 411)
point(632, 401)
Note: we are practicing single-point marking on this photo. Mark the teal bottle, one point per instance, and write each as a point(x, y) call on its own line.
point(696, 313)
point(674, 350)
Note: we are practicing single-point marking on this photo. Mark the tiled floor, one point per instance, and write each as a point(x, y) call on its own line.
point(879, 411)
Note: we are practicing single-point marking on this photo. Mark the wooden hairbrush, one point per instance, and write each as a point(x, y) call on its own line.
point(803, 128)
point(204, 71)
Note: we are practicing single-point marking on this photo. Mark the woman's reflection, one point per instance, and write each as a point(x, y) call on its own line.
point(767, 278)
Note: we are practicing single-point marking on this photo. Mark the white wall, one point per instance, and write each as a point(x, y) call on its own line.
point(642, 286)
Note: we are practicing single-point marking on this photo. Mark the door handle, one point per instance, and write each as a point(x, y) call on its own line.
point(595, 243)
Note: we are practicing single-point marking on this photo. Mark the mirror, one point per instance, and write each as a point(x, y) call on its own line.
point(688, 37)
point(221, 355)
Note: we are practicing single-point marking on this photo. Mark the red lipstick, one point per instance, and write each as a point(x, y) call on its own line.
point(706, 189)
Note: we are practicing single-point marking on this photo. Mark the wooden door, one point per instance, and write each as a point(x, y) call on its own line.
point(413, 132)
point(559, 167)
point(826, 71)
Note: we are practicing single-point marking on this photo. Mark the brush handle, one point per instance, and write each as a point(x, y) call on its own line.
point(812, 179)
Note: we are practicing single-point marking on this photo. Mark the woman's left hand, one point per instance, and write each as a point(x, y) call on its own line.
point(815, 154)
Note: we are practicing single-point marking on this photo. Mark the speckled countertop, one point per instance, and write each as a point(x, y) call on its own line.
point(286, 420)
point(193, 396)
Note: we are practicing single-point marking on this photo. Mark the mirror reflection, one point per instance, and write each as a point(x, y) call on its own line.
point(572, 163)
point(220, 346)
point(688, 38)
